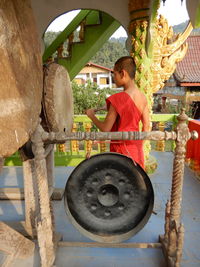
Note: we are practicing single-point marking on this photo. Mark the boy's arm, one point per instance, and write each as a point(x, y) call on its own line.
point(106, 125)
point(146, 119)
point(100, 108)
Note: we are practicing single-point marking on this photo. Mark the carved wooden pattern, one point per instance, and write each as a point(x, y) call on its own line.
point(44, 225)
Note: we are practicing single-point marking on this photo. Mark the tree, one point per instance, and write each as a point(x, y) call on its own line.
point(89, 95)
point(110, 52)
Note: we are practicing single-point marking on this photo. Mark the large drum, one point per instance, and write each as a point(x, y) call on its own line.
point(20, 75)
point(109, 198)
point(57, 99)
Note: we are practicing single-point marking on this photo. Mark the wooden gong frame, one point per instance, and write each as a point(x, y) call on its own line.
point(42, 223)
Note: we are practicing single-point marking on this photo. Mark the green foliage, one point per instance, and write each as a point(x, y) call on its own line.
point(110, 52)
point(49, 37)
point(182, 26)
point(89, 95)
point(189, 109)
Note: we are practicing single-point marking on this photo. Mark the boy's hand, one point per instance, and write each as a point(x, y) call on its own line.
point(90, 112)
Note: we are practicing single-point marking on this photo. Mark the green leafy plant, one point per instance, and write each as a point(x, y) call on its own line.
point(89, 95)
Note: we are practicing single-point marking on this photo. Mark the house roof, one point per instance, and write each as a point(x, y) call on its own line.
point(98, 66)
point(188, 70)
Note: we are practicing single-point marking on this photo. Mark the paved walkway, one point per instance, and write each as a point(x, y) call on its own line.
point(116, 257)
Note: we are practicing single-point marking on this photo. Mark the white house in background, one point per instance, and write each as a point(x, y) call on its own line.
point(95, 73)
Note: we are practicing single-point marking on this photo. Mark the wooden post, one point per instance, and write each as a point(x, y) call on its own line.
point(178, 166)
point(173, 243)
point(50, 168)
point(44, 224)
point(180, 242)
point(167, 216)
point(30, 191)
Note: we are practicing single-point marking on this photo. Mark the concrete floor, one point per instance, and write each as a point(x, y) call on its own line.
point(116, 257)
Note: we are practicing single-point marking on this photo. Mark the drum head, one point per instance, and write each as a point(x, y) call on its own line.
point(108, 198)
point(20, 75)
point(58, 99)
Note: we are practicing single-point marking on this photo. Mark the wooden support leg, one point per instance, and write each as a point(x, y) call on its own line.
point(14, 244)
point(30, 193)
point(50, 168)
point(167, 217)
point(173, 239)
point(180, 242)
point(44, 223)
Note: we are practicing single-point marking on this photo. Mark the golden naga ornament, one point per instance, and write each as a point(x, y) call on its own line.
point(168, 50)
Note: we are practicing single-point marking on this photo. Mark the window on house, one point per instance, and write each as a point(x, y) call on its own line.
point(79, 81)
point(104, 80)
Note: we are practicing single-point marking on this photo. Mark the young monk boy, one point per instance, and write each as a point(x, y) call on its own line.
point(125, 110)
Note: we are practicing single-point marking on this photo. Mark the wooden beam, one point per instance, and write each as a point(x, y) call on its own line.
point(109, 245)
point(18, 193)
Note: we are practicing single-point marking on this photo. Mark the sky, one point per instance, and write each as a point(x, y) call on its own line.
point(173, 10)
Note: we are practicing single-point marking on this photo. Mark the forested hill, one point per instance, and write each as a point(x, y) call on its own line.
point(114, 48)
point(181, 27)
point(118, 40)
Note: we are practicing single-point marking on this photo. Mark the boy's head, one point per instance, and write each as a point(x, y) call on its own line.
point(126, 63)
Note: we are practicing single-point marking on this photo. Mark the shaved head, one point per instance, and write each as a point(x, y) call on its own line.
point(126, 63)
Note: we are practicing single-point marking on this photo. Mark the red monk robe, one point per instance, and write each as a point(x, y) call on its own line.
point(128, 119)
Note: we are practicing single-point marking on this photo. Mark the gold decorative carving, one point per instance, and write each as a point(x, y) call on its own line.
point(61, 148)
point(142, 53)
point(136, 45)
point(160, 145)
point(142, 38)
point(138, 26)
point(146, 75)
point(74, 143)
point(161, 58)
point(141, 68)
point(88, 143)
point(167, 51)
point(136, 62)
point(143, 25)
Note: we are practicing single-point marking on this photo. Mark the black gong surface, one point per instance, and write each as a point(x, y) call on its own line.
point(108, 198)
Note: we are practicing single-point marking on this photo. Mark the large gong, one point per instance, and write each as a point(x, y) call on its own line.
point(109, 198)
